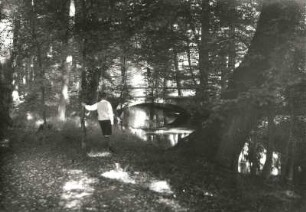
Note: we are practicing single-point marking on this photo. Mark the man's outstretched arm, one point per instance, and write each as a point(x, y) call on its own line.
point(90, 107)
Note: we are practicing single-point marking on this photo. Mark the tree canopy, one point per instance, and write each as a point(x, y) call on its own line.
point(239, 60)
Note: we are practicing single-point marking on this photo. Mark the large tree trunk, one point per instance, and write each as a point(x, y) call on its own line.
point(222, 139)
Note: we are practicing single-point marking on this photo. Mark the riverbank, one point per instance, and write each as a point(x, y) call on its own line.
point(53, 174)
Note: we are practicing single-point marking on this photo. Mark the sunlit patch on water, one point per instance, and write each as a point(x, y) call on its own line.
point(77, 189)
point(163, 137)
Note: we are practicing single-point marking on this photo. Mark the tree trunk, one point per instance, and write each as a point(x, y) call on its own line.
point(150, 81)
point(90, 74)
point(224, 72)
point(229, 55)
point(234, 134)
point(15, 60)
point(232, 45)
point(289, 165)
point(5, 96)
point(67, 64)
point(190, 67)
point(266, 172)
point(41, 71)
point(83, 87)
point(7, 64)
point(276, 27)
point(224, 138)
point(204, 50)
point(177, 73)
point(82, 116)
point(124, 88)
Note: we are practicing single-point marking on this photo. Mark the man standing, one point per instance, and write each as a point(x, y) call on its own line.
point(105, 117)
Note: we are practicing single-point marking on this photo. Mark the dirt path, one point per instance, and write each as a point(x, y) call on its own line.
point(40, 177)
point(54, 175)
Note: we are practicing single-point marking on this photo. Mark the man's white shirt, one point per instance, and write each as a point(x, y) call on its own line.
point(105, 110)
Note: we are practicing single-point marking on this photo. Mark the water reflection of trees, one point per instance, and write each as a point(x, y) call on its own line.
point(164, 138)
point(156, 123)
point(153, 116)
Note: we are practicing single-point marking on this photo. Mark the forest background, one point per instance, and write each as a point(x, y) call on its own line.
point(242, 61)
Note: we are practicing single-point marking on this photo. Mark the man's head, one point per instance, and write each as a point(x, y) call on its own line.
point(103, 95)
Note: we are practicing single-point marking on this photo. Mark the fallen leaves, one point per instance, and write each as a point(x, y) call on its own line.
point(42, 178)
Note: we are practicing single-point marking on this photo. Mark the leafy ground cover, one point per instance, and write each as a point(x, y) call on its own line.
point(54, 174)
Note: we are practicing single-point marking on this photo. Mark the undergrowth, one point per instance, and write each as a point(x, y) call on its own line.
point(198, 185)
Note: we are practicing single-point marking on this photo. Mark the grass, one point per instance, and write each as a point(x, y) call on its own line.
point(196, 185)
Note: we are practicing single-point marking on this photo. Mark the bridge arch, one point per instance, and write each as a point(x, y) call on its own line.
point(153, 115)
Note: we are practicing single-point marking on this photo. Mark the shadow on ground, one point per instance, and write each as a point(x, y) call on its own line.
point(53, 173)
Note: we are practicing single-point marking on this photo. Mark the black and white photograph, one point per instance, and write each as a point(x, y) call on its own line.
point(153, 105)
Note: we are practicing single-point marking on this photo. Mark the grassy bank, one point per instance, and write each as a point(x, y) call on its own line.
point(52, 172)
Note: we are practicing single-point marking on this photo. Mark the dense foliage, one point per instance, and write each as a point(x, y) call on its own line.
point(109, 41)
point(62, 52)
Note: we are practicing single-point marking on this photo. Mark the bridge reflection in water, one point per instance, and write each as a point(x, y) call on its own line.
point(163, 137)
point(160, 124)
